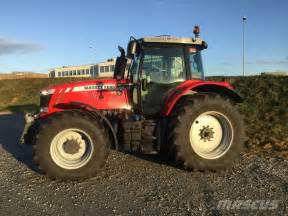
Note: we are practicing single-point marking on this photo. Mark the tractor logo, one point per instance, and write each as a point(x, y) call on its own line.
point(94, 87)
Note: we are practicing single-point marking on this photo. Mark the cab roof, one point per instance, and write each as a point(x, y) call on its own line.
point(172, 40)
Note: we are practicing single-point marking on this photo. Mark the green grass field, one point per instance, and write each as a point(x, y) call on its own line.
point(22, 95)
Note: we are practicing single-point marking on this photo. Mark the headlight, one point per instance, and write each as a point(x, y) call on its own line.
point(43, 109)
point(45, 98)
point(48, 92)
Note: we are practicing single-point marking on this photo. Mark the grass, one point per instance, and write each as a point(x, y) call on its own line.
point(22, 95)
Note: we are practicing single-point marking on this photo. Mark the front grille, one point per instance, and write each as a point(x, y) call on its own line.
point(44, 100)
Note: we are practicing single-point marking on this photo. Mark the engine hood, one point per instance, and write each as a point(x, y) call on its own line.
point(104, 94)
point(101, 84)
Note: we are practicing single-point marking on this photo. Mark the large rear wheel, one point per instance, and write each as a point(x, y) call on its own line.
point(71, 145)
point(207, 132)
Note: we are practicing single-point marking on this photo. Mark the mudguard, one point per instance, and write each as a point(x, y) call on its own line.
point(191, 87)
point(94, 114)
point(30, 120)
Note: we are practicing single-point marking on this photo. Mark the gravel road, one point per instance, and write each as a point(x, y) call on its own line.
point(131, 185)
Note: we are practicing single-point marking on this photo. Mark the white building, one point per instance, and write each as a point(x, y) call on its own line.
point(102, 69)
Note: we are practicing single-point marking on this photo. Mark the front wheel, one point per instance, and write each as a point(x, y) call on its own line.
point(71, 145)
point(207, 132)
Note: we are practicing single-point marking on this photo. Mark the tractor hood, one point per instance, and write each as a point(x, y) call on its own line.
point(101, 84)
point(104, 94)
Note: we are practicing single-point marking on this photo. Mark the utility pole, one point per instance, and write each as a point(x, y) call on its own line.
point(244, 18)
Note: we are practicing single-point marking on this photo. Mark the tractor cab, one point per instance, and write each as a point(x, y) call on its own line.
point(158, 65)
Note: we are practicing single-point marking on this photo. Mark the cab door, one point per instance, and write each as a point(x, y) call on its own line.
point(163, 68)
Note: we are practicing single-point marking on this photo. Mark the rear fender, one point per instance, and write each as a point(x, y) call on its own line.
point(222, 88)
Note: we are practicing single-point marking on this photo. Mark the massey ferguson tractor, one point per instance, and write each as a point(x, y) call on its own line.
point(157, 102)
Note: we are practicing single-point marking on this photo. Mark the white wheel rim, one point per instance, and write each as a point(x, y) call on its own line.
point(211, 135)
point(71, 148)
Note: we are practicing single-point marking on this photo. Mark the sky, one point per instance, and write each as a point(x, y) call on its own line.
point(37, 35)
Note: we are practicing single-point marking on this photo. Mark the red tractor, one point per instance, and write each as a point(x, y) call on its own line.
point(157, 102)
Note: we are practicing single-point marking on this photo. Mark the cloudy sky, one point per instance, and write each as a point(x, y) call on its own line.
point(38, 35)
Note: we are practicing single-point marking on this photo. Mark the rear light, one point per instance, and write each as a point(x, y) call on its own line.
point(196, 30)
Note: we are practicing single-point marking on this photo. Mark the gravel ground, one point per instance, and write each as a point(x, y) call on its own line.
point(131, 185)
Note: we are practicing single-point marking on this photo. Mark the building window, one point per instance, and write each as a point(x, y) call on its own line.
point(112, 67)
point(106, 68)
point(63, 73)
point(102, 69)
point(96, 69)
point(66, 73)
point(59, 74)
point(70, 73)
point(78, 72)
point(87, 71)
point(82, 72)
point(74, 73)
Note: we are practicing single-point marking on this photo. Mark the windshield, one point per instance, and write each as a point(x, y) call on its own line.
point(196, 65)
point(164, 64)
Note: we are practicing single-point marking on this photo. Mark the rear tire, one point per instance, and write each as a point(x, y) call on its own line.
point(71, 145)
point(206, 132)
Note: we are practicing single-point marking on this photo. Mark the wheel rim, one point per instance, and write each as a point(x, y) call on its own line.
point(211, 135)
point(71, 148)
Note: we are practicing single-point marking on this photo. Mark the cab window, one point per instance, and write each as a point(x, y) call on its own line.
point(196, 66)
point(164, 64)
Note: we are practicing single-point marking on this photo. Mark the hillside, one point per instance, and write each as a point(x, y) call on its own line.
point(21, 75)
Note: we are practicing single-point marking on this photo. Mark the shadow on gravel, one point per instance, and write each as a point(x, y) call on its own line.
point(11, 126)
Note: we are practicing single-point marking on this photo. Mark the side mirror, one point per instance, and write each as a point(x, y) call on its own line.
point(122, 51)
point(131, 49)
point(120, 66)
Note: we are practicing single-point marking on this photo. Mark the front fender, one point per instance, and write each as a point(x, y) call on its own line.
point(95, 114)
point(92, 111)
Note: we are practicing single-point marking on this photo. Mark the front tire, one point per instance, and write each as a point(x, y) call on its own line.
point(71, 145)
point(206, 132)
